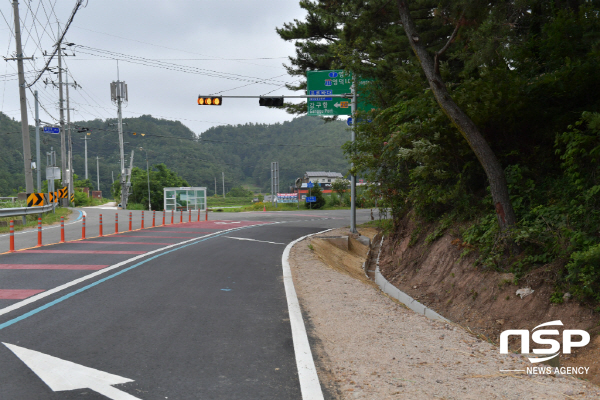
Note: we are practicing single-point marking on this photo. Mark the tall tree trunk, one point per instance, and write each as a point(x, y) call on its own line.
point(468, 129)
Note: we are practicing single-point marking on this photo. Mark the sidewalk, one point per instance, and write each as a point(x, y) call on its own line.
point(368, 346)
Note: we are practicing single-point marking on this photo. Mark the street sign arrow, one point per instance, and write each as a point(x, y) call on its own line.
point(337, 105)
point(62, 375)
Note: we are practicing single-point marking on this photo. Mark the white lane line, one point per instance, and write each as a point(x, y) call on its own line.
point(307, 372)
point(74, 282)
point(251, 240)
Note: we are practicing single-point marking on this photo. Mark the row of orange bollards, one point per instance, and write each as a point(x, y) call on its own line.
point(83, 232)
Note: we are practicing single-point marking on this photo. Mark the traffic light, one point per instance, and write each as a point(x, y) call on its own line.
point(271, 101)
point(210, 100)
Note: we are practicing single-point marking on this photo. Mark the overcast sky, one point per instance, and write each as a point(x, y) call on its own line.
point(228, 44)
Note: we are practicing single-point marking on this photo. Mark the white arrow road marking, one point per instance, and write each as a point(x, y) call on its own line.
point(62, 375)
point(252, 240)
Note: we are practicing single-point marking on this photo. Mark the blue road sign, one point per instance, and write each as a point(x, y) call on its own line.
point(350, 121)
point(311, 199)
point(310, 185)
point(51, 129)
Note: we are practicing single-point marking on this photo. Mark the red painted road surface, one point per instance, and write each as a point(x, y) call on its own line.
point(17, 294)
point(91, 267)
point(82, 251)
point(119, 242)
point(56, 258)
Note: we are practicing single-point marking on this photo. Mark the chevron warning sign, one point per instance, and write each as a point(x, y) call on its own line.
point(52, 197)
point(72, 197)
point(63, 193)
point(35, 199)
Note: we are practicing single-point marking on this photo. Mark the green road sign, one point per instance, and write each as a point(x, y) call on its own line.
point(322, 83)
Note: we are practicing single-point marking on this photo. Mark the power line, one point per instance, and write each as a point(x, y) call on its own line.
point(184, 51)
point(173, 66)
point(59, 42)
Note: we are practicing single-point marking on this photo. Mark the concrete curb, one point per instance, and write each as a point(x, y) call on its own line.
point(402, 297)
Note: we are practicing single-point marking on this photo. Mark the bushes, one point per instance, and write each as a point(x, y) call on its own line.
point(584, 273)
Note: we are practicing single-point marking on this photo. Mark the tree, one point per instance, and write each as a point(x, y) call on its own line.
point(160, 178)
point(340, 186)
point(316, 192)
point(466, 126)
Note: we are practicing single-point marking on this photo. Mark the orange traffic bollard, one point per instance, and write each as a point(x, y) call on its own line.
point(83, 228)
point(164, 212)
point(129, 220)
point(39, 232)
point(153, 218)
point(180, 216)
point(190, 215)
point(116, 222)
point(198, 215)
point(62, 229)
point(142, 220)
point(172, 216)
point(100, 224)
point(206, 219)
point(12, 236)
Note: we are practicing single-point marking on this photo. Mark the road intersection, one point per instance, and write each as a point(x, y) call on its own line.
point(185, 311)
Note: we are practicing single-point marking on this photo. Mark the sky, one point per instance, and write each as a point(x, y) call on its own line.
point(221, 44)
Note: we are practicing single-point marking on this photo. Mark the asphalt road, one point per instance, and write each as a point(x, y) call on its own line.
point(186, 311)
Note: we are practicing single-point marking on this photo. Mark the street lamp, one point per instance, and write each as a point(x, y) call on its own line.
point(148, 175)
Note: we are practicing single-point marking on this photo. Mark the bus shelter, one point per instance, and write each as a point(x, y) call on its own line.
point(185, 198)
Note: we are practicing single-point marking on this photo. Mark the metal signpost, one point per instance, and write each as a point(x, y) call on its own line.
point(274, 182)
point(327, 83)
point(310, 185)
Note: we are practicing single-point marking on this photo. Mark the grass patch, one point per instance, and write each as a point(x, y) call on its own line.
point(214, 202)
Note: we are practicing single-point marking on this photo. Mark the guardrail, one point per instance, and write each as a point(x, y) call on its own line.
point(22, 211)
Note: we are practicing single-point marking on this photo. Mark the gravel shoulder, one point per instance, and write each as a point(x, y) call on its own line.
point(368, 346)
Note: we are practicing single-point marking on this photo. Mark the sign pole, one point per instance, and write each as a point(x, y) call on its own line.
point(353, 177)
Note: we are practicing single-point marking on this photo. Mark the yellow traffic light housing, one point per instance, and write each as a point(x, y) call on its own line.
point(210, 100)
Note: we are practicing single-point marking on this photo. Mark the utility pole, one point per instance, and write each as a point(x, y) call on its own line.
point(97, 171)
point(223, 174)
point(118, 92)
point(148, 175)
point(128, 185)
point(70, 143)
point(86, 138)
point(37, 143)
point(353, 177)
point(23, 99)
point(61, 100)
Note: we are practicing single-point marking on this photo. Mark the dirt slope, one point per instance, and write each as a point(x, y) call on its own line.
point(483, 301)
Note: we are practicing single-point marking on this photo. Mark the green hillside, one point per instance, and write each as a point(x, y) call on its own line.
point(243, 152)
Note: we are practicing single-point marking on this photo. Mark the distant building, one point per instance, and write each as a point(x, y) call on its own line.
point(322, 178)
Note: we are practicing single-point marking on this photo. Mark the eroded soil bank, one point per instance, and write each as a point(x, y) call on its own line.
point(483, 301)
